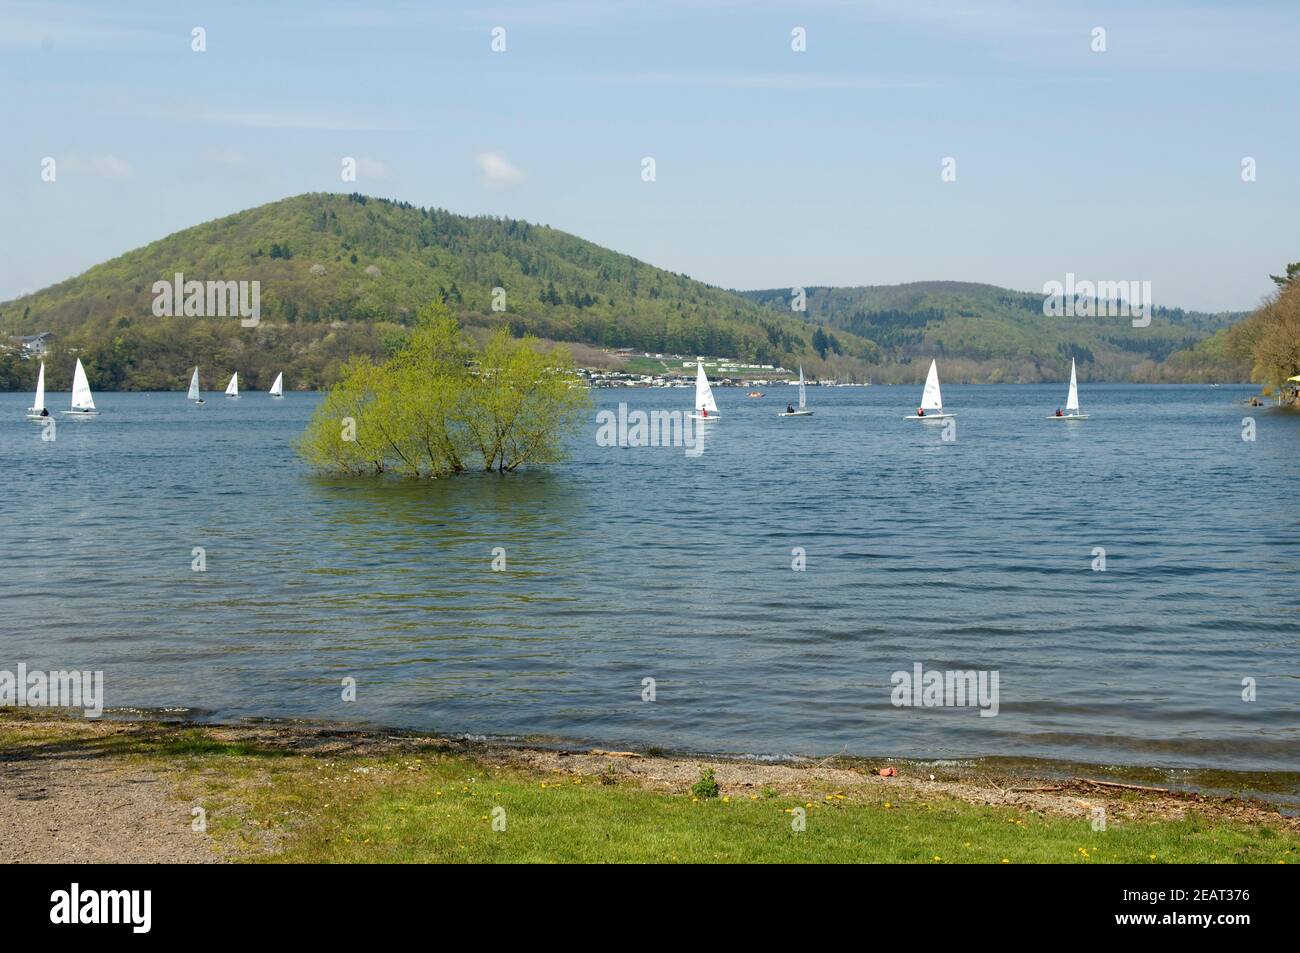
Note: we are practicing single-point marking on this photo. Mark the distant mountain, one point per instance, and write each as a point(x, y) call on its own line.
point(986, 333)
point(343, 274)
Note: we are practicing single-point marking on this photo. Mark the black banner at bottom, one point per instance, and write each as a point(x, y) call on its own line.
point(216, 902)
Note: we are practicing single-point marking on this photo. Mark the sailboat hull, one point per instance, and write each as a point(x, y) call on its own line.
point(930, 417)
point(797, 413)
point(31, 416)
point(79, 413)
point(1069, 417)
point(699, 417)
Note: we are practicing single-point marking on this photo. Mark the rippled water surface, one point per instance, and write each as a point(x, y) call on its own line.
point(626, 564)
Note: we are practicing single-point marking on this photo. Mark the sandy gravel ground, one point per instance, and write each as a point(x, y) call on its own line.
point(59, 808)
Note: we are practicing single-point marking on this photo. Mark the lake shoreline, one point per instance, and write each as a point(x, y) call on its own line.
point(166, 765)
point(1278, 787)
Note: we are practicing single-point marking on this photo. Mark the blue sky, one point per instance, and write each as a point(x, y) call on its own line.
point(774, 168)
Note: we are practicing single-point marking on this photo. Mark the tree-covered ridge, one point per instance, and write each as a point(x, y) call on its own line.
point(987, 333)
point(345, 274)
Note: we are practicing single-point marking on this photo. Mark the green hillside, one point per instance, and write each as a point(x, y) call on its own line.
point(344, 274)
point(986, 333)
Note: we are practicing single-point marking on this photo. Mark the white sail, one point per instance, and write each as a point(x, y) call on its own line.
point(1072, 402)
point(81, 397)
point(194, 386)
point(931, 400)
point(232, 389)
point(39, 404)
point(277, 389)
point(703, 393)
point(802, 397)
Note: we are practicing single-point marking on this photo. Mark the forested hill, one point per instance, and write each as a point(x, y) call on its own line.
point(342, 274)
point(987, 333)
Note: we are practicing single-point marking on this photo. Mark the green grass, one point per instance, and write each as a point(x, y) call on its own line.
point(446, 815)
point(272, 803)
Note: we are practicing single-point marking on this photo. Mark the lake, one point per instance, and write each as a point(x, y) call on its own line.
point(626, 564)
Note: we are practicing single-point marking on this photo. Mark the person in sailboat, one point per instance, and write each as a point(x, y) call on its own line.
point(45, 412)
point(920, 411)
point(704, 411)
point(789, 408)
point(1058, 412)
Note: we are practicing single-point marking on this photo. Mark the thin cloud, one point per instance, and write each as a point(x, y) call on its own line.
point(111, 167)
point(783, 80)
point(106, 166)
point(497, 171)
point(262, 119)
point(61, 26)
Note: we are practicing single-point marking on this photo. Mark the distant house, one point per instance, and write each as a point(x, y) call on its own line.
point(35, 345)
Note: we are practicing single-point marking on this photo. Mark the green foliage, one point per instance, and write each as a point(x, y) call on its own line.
point(988, 334)
point(438, 406)
point(558, 287)
point(706, 786)
point(1269, 340)
point(1292, 274)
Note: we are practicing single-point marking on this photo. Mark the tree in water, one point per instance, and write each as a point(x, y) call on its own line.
point(440, 406)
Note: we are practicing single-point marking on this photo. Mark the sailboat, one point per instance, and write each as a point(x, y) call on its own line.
point(803, 401)
point(1072, 401)
point(194, 388)
point(232, 389)
point(706, 408)
point(83, 404)
point(277, 389)
point(37, 410)
point(931, 400)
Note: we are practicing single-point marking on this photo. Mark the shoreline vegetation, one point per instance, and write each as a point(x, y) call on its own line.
point(275, 791)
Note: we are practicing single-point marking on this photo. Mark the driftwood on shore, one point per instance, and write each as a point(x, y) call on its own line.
point(1116, 784)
